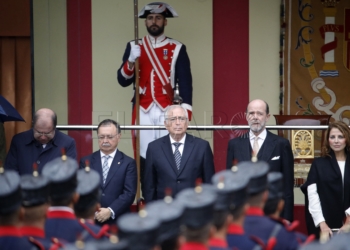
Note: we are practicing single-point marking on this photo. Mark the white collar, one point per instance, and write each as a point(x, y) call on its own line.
point(262, 135)
point(110, 155)
point(156, 40)
point(181, 141)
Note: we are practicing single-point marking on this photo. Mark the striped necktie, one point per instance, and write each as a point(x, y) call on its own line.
point(105, 167)
point(177, 154)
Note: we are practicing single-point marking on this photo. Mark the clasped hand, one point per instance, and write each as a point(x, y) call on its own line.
point(103, 214)
point(346, 227)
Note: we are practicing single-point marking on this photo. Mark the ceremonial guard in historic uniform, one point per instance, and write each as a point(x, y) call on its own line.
point(61, 221)
point(163, 63)
point(109, 244)
point(11, 212)
point(169, 211)
point(113, 243)
point(231, 196)
point(89, 198)
point(35, 202)
point(197, 217)
point(236, 236)
point(140, 230)
point(221, 216)
point(274, 206)
point(256, 224)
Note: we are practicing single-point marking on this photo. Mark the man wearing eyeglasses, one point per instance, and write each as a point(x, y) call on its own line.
point(39, 145)
point(176, 160)
point(163, 63)
point(117, 170)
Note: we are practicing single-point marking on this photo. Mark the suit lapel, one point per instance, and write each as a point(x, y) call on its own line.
point(245, 149)
point(187, 151)
point(267, 148)
point(168, 153)
point(97, 165)
point(115, 166)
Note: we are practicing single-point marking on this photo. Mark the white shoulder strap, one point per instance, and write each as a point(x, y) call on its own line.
point(158, 67)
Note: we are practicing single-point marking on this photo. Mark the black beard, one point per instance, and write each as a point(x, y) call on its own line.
point(156, 32)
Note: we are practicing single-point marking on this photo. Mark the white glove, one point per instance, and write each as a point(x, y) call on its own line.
point(134, 53)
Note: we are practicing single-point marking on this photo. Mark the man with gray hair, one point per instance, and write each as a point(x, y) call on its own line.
point(117, 171)
point(176, 160)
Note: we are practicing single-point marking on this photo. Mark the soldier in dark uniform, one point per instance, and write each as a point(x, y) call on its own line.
point(228, 198)
point(274, 207)
point(170, 214)
point(197, 217)
point(236, 236)
point(140, 230)
point(256, 224)
point(339, 241)
point(274, 202)
point(320, 246)
point(61, 221)
point(11, 212)
point(89, 196)
point(35, 194)
point(108, 244)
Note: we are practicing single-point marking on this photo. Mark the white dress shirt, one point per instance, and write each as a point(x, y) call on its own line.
point(181, 147)
point(261, 138)
point(110, 159)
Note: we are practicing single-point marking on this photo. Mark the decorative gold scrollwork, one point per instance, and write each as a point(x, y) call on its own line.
point(303, 144)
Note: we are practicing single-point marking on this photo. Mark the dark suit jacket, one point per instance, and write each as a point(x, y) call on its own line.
point(119, 190)
point(25, 150)
point(274, 146)
point(334, 196)
point(161, 171)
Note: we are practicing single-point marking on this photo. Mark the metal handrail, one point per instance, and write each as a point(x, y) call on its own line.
point(197, 127)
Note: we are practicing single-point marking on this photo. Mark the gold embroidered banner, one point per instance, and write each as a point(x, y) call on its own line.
point(316, 58)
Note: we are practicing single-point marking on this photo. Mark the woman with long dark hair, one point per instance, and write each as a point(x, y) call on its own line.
point(327, 187)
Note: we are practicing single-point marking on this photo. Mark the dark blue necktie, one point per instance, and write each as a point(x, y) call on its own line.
point(177, 154)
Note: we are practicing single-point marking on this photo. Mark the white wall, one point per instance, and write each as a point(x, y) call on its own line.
point(50, 56)
point(112, 28)
point(264, 30)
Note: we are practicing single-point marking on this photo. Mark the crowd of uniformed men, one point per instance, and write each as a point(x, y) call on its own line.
point(239, 210)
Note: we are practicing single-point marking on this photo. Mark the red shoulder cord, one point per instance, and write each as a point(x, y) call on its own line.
point(102, 232)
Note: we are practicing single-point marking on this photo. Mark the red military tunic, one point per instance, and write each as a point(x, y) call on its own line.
point(170, 66)
point(169, 53)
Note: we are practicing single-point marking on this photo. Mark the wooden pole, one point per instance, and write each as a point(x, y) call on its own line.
point(137, 99)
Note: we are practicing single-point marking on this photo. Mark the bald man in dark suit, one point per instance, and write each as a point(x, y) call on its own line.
point(273, 149)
